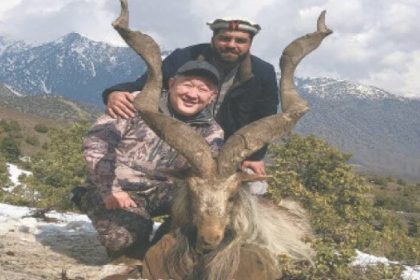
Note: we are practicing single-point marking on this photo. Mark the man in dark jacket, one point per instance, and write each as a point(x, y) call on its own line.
point(248, 90)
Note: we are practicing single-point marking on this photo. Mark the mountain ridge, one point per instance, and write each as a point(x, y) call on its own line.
point(72, 66)
point(379, 128)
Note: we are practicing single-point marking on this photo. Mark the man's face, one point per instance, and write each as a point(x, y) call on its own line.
point(190, 94)
point(231, 46)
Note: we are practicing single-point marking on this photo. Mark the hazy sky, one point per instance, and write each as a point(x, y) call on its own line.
point(374, 42)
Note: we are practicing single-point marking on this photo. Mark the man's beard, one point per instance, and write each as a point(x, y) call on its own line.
point(225, 60)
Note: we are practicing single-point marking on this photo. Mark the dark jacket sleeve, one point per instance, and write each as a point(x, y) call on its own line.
point(169, 66)
point(268, 101)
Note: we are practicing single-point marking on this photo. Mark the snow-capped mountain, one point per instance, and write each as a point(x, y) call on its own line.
point(72, 66)
point(8, 46)
point(380, 129)
point(329, 88)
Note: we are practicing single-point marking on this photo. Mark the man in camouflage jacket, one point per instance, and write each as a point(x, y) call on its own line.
point(123, 156)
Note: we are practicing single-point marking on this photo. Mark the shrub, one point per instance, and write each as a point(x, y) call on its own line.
point(4, 173)
point(41, 128)
point(32, 140)
point(60, 168)
point(343, 218)
point(9, 147)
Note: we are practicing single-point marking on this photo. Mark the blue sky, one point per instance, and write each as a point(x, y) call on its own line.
point(374, 42)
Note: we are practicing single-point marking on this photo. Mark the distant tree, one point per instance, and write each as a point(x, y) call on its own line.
point(3, 125)
point(60, 168)
point(14, 126)
point(9, 147)
point(32, 140)
point(41, 128)
point(382, 181)
point(4, 173)
point(11, 129)
point(10, 125)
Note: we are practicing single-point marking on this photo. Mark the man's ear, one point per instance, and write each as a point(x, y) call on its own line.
point(215, 93)
point(212, 40)
point(171, 82)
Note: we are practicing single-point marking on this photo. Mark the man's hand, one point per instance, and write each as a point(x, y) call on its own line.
point(119, 200)
point(120, 104)
point(257, 166)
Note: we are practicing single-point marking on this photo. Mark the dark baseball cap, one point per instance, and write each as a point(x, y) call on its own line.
point(201, 69)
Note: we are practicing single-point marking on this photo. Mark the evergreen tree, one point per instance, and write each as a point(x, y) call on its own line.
point(60, 168)
point(4, 174)
point(9, 147)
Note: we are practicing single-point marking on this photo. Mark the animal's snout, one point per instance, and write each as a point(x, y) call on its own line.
point(210, 240)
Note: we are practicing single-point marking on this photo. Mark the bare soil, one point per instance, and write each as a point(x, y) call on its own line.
point(52, 253)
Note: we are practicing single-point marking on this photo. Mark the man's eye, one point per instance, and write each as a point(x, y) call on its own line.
point(203, 90)
point(241, 41)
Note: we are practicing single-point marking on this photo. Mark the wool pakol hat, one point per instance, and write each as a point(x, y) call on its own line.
point(200, 68)
point(234, 24)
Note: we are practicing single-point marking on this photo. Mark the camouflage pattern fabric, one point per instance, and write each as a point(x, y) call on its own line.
point(123, 229)
point(126, 153)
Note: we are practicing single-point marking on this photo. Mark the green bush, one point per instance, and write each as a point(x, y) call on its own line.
point(10, 149)
point(4, 173)
point(382, 181)
point(41, 128)
point(60, 168)
point(342, 216)
point(10, 126)
point(32, 140)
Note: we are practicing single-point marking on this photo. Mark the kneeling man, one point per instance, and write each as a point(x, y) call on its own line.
point(123, 156)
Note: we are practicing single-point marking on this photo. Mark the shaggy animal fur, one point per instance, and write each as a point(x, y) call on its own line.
point(254, 222)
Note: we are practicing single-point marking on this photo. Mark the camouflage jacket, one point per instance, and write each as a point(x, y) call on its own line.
point(122, 154)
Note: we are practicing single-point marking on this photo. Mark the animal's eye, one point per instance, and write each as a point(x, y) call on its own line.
point(231, 199)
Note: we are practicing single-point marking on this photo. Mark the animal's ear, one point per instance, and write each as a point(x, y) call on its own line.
point(176, 173)
point(245, 177)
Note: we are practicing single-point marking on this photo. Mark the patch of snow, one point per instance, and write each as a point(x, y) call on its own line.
point(12, 90)
point(15, 172)
point(363, 259)
point(44, 87)
point(13, 217)
point(412, 273)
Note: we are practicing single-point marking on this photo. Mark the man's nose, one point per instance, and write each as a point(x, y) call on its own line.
point(192, 92)
point(231, 43)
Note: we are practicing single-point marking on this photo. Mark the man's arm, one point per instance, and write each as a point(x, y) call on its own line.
point(99, 152)
point(120, 103)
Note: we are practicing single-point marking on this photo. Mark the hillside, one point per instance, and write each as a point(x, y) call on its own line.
point(27, 123)
point(47, 106)
point(379, 129)
point(21, 114)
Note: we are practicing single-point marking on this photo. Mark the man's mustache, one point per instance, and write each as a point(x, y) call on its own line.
point(230, 51)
